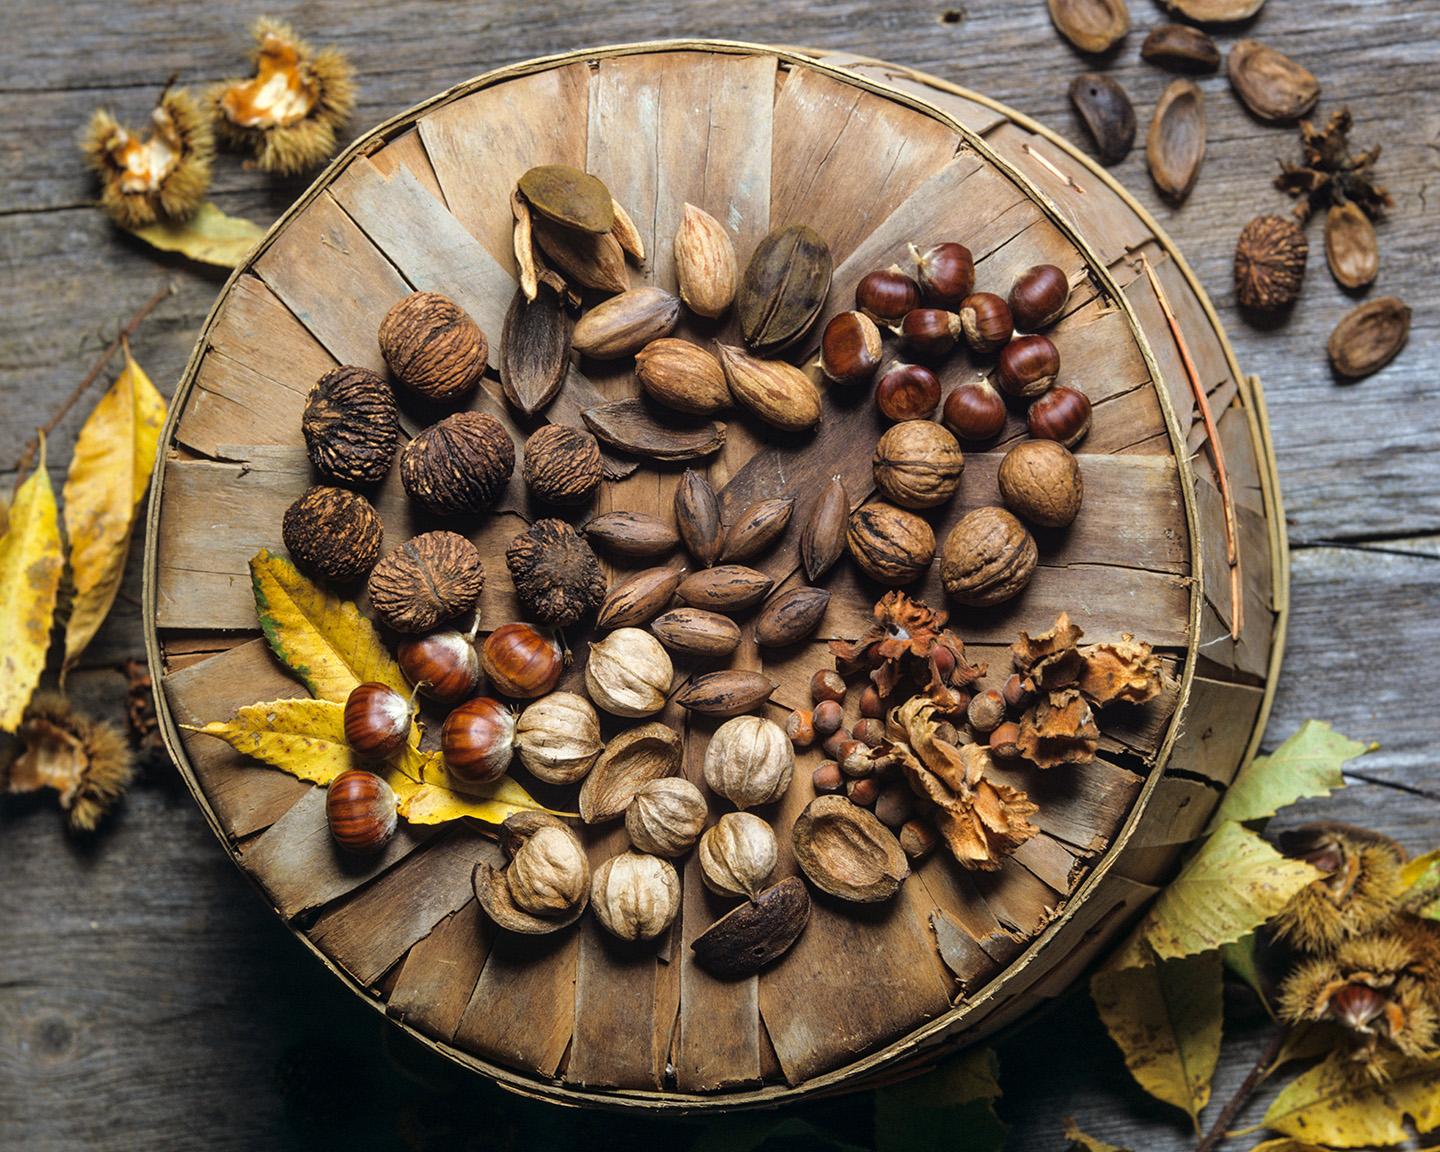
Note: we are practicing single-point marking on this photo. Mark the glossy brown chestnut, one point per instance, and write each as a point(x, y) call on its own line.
point(360, 809)
point(986, 321)
point(974, 411)
point(1028, 366)
point(444, 665)
point(931, 332)
point(478, 740)
point(850, 348)
point(522, 661)
point(1061, 414)
point(946, 273)
point(377, 720)
point(1038, 297)
point(908, 392)
point(886, 294)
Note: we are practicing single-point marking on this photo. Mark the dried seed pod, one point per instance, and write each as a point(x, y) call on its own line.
point(635, 896)
point(1272, 85)
point(696, 632)
point(434, 577)
point(783, 288)
point(433, 346)
point(892, 545)
point(558, 738)
point(790, 617)
point(774, 390)
point(633, 426)
point(632, 535)
point(628, 673)
point(726, 588)
point(1350, 246)
point(351, 425)
point(332, 532)
point(1181, 47)
point(1040, 480)
point(738, 855)
point(1106, 109)
point(747, 938)
point(726, 693)
point(562, 464)
point(1215, 11)
point(749, 761)
point(593, 260)
point(988, 558)
point(164, 176)
point(556, 575)
point(823, 540)
point(682, 376)
point(1091, 25)
point(626, 234)
point(1368, 337)
point(697, 516)
point(756, 528)
point(534, 349)
point(554, 876)
point(1270, 257)
point(917, 464)
point(847, 852)
point(666, 816)
point(624, 324)
point(1176, 144)
point(630, 761)
point(638, 598)
point(705, 263)
point(850, 348)
point(568, 196)
point(459, 464)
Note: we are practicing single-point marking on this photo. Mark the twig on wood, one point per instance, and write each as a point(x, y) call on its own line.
point(1248, 1085)
point(33, 444)
point(1217, 452)
point(1059, 175)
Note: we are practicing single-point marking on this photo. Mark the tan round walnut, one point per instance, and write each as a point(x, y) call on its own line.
point(918, 464)
point(988, 558)
point(433, 346)
point(1040, 481)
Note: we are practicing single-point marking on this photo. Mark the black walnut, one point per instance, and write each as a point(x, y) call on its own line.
point(459, 464)
point(1270, 260)
point(556, 575)
point(433, 346)
point(351, 425)
point(434, 577)
point(562, 464)
point(333, 533)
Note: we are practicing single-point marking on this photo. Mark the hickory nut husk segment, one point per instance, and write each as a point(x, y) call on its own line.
point(783, 288)
point(847, 852)
point(630, 761)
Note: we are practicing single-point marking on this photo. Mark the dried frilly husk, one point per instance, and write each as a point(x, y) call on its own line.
point(1059, 728)
point(289, 113)
point(908, 638)
point(1050, 659)
point(847, 852)
point(636, 896)
point(1356, 895)
point(666, 816)
point(737, 855)
point(553, 881)
point(630, 761)
point(88, 762)
point(558, 738)
point(1125, 670)
point(749, 761)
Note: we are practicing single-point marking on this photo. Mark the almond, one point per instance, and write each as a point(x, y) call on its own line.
point(705, 263)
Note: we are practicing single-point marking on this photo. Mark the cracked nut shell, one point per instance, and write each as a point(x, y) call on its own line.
point(459, 464)
point(433, 346)
point(431, 578)
point(747, 938)
point(556, 575)
point(333, 533)
point(562, 464)
point(351, 425)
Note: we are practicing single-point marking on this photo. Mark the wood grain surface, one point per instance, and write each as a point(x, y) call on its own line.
point(149, 999)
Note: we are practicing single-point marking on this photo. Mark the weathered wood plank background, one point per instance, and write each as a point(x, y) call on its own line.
point(148, 999)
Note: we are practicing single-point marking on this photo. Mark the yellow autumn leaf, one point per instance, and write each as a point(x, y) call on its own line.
point(1421, 880)
point(109, 475)
point(303, 737)
point(1080, 1142)
point(30, 565)
point(1328, 1104)
point(1285, 1144)
point(322, 639)
point(209, 236)
point(434, 804)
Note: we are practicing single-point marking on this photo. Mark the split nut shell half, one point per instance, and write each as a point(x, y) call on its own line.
point(744, 940)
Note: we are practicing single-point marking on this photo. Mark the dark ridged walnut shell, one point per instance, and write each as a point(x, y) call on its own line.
point(460, 464)
point(333, 532)
point(892, 545)
point(432, 578)
point(433, 346)
point(562, 464)
point(556, 574)
point(351, 425)
point(1270, 260)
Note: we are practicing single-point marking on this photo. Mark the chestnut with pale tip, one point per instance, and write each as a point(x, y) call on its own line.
point(522, 661)
point(986, 321)
point(444, 665)
point(478, 740)
point(908, 392)
point(1028, 366)
point(1061, 414)
point(974, 411)
point(850, 348)
point(1038, 296)
point(377, 720)
point(360, 811)
point(945, 272)
point(931, 332)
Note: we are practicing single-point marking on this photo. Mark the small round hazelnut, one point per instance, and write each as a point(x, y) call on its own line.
point(433, 346)
point(1038, 296)
point(351, 425)
point(562, 464)
point(556, 575)
point(986, 710)
point(332, 532)
point(800, 727)
point(434, 577)
point(1040, 480)
point(459, 464)
point(827, 717)
point(827, 684)
point(827, 777)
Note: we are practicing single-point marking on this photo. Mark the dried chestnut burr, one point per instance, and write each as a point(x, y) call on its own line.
point(434, 577)
point(332, 532)
point(931, 332)
point(1028, 366)
point(1038, 297)
point(1270, 260)
point(974, 411)
point(886, 294)
point(986, 321)
point(433, 346)
point(850, 348)
point(351, 425)
point(1061, 414)
point(908, 392)
point(562, 464)
point(556, 575)
point(946, 273)
point(458, 465)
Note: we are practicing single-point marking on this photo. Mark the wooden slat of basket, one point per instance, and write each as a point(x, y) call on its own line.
point(973, 114)
point(408, 151)
point(522, 1011)
point(366, 932)
point(256, 329)
point(1126, 425)
point(1241, 458)
point(1081, 804)
point(1020, 900)
point(970, 965)
point(232, 403)
point(1142, 729)
point(1202, 341)
point(615, 995)
point(440, 972)
point(1051, 863)
point(953, 894)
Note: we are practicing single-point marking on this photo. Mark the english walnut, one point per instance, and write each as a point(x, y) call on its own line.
point(459, 464)
point(562, 464)
point(987, 558)
point(351, 425)
point(1040, 480)
point(333, 532)
point(433, 346)
point(917, 464)
point(892, 545)
point(556, 575)
point(1270, 260)
point(434, 577)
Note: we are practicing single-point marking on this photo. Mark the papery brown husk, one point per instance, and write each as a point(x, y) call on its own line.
point(1119, 670)
point(1059, 728)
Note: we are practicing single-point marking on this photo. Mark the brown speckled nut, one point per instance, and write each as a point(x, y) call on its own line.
point(351, 425)
point(433, 346)
point(562, 464)
point(556, 574)
point(1270, 263)
point(459, 464)
point(333, 532)
point(429, 579)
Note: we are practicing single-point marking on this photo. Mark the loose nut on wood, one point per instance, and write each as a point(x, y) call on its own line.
point(666, 816)
point(1091, 25)
point(744, 940)
point(628, 673)
point(556, 881)
point(737, 855)
point(756, 528)
point(987, 558)
point(1106, 109)
point(791, 616)
point(1351, 249)
point(624, 324)
point(783, 288)
point(682, 376)
point(630, 761)
point(1176, 144)
point(433, 346)
point(634, 535)
point(1181, 47)
point(558, 738)
point(697, 518)
point(822, 542)
point(562, 464)
point(434, 577)
point(774, 390)
point(847, 852)
point(749, 760)
point(460, 464)
point(892, 545)
point(726, 693)
point(569, 196)
point(705, 263)
point(636, 896)
point(351, 425)
point(1270, 256)
point(726, 588)
point(1368, 337)
point(556, 575)
point(638, 598)
point(696, 632)
point(1040, 480)
point(332, 532)
point(917, 463)
point(1272, 85)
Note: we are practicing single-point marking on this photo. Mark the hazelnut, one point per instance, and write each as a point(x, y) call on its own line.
point(1040, 480)
point(1270, 260)
point(1061, 414)
point(907, 392)
point(1028, 366)
point(988, 557)
point(827, 777)
point(458, 465)
point(562, 464)
point(635, 896)
point(556, 575)
point(827, 717)
point(433, 346)
point(332, 532)
point(892, 545)
point(827, 684)
point(918, 464)
point(986, 710)
point(351, 425)
point(434, 577)
point(986, 321)
point(1038, 296)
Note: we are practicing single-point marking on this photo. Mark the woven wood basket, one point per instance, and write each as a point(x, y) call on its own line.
point(873, 156)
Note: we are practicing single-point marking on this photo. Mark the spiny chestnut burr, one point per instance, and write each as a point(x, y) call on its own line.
point(850, 348)
point(478, 740)
point(521, 661)
point(1038, 297)
point(360, 810)
point(931, 332)
point(986, 321)
point(1028, 366)
point(1061, 414)
point(886, 294)
point(377, 720)
point(946, 273)
point(974, 411)
point(444, 665)
point(908, 392)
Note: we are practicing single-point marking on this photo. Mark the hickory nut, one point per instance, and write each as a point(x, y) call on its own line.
point(628, 673)
point(666, 817)
point(558, 738)
point(749, 761)
point(636, 896)
point(737, 855)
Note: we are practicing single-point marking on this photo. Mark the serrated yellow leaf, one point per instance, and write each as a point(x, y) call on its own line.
point(1421, 878)
point(1232, 885)
point(433, 804)
point(1166, 1019)
point(324, 640)
point(1329, 1105)
point(30, 565)
point(303, 737)
point(1307, 764)
point(209, 236)
point(109, 475)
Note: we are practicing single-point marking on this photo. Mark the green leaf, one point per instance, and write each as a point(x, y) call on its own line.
point(948, 1109)
point(1307, 764)
point(1079, 1142)
point(1329, 1105)
point(1166, 1018)
point(209, 236)
point(1232, 885)
point(1421, 878)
